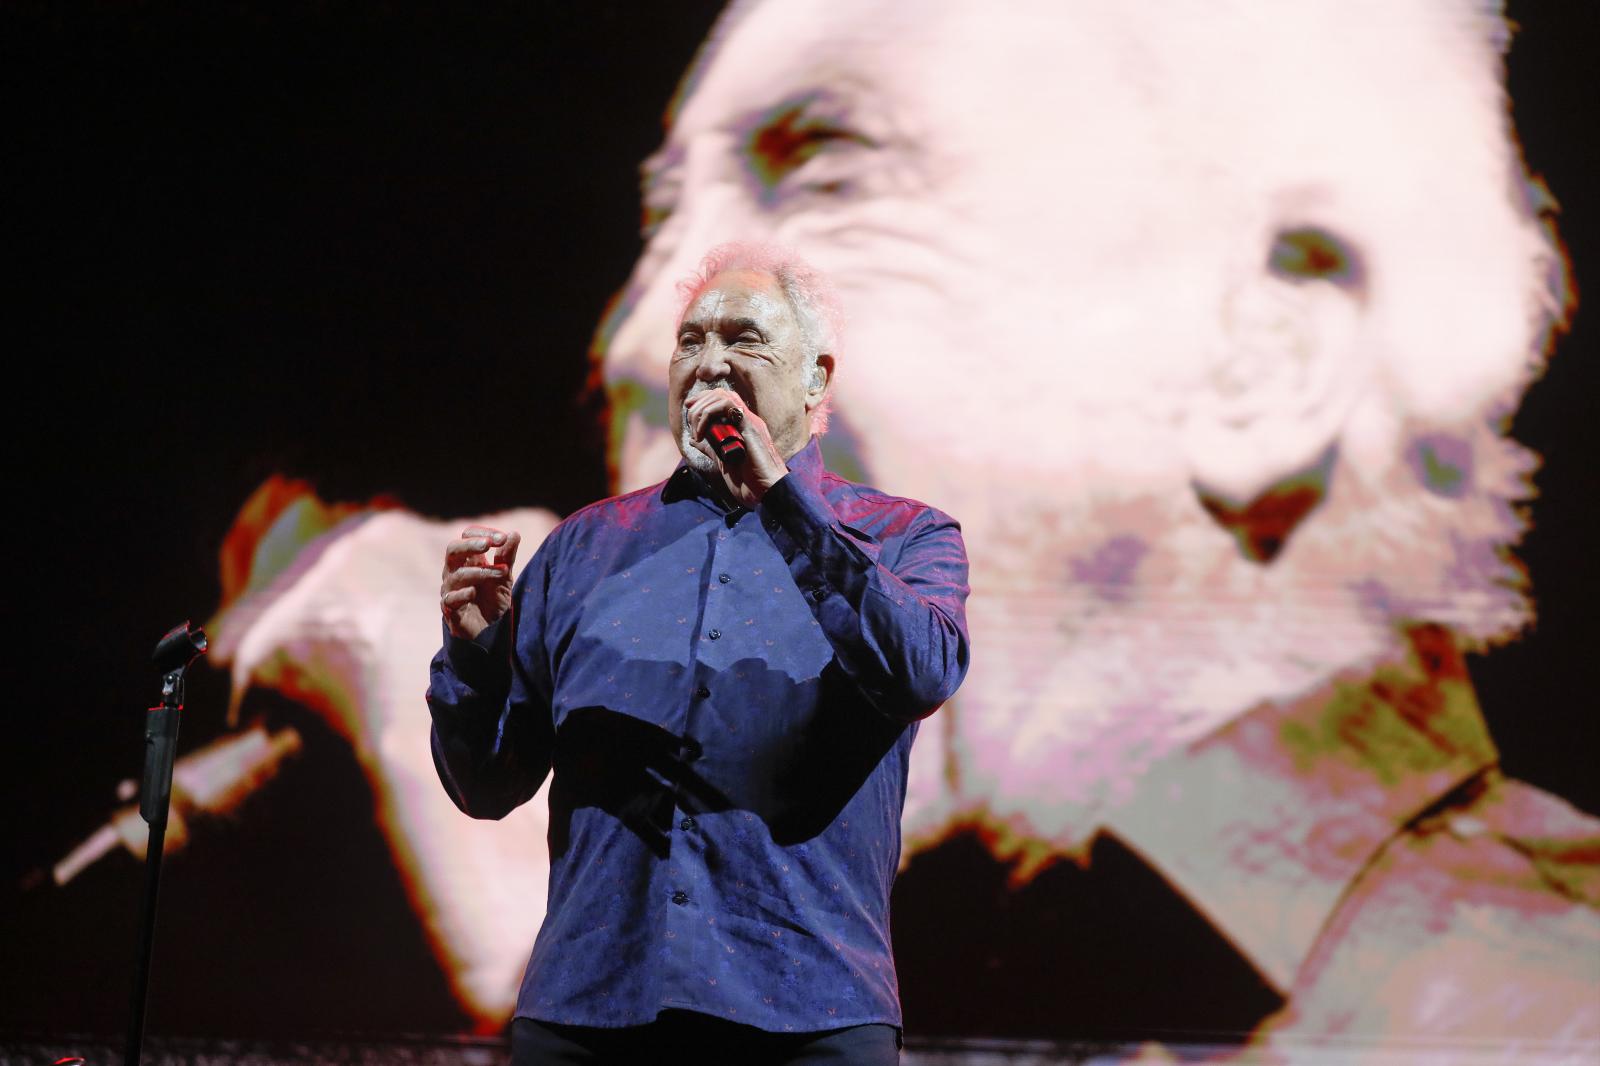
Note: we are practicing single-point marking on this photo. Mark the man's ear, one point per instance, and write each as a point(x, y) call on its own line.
point(821, 376)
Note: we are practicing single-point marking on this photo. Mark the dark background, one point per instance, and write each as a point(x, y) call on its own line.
point(367, 245)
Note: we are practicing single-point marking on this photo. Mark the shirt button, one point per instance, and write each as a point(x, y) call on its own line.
point(686, 825)
point(680, 897)
point(819, 593)
point(702, 692)
point(724, 578)
point(715, 634)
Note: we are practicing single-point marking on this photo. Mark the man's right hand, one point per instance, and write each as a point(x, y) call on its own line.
point(476, 588)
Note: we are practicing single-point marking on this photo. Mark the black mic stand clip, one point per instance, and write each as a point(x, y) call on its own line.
point(177, 650)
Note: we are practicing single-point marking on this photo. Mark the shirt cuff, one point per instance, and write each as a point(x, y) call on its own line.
point(481, 663)
point(795, 514)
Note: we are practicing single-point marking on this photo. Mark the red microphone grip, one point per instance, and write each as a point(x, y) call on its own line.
point(726, 441)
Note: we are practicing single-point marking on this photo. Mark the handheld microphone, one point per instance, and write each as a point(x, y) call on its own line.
point(727, 441)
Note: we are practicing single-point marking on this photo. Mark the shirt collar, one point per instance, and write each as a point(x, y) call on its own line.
point(686, 484)
point(1264, 824)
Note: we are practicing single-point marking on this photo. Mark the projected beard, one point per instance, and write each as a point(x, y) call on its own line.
point(1183, 375)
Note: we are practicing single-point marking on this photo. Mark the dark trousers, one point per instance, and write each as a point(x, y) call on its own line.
point(677, 1037)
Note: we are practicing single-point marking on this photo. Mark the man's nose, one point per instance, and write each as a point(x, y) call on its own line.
point(713, 364)
point(636, 338)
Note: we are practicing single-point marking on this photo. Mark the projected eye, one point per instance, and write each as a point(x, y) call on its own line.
point(783, 141)
point(1311, 253)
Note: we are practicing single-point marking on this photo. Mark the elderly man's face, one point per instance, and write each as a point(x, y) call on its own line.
point(1111, 272)
point(740, 333)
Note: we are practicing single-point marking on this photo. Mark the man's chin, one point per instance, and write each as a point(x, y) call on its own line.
point(698, 461)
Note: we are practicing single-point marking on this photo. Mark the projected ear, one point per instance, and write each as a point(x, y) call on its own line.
point(1261, 428)
point(1284, 368)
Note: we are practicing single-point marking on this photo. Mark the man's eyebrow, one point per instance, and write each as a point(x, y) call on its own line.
point(740, 324)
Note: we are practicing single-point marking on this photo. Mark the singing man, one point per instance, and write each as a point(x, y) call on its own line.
point(724, 673)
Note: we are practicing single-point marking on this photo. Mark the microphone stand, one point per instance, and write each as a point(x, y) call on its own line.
point(177, 650)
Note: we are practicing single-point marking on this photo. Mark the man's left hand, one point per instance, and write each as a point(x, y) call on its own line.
point(762, 467)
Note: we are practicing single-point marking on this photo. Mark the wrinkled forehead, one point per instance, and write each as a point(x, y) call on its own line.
point(738, 294)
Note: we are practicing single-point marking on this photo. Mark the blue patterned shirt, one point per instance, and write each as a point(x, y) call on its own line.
point(727, 700)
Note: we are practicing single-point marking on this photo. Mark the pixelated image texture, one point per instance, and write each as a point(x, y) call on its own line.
point(1207, 322)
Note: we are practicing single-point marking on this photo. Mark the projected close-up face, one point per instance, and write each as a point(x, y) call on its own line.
point(1202, 327)
point(1206, 322)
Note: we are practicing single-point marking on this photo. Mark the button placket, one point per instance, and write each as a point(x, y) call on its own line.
point(690, 849)
point(710, 630)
